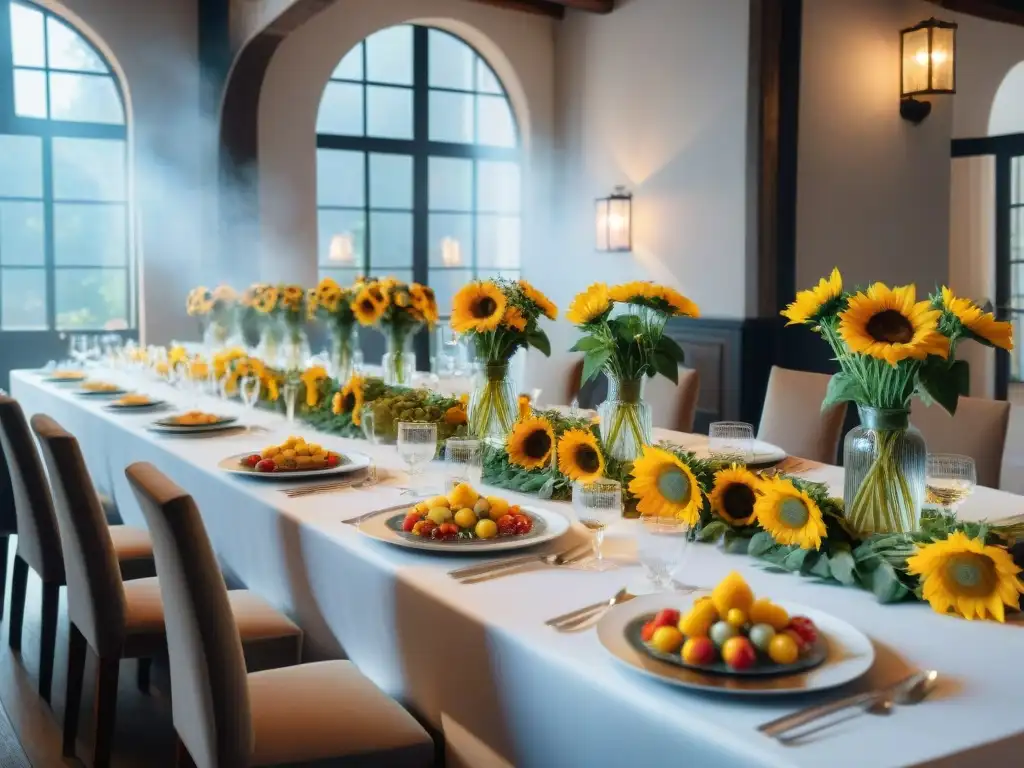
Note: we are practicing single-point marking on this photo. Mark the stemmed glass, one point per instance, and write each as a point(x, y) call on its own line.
point(661, 547)
point(950, 478)
point(417, 444)
point(250, 387)
point(730, 441)
point(597, 504)
point(463, 459)
point(290, 391)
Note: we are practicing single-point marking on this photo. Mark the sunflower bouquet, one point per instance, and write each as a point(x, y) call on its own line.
point(891, 347)
point(333, 304)
point(500, 317)
point(283, 341)
point(399, 310)
point(251, 319)
point(624, 327)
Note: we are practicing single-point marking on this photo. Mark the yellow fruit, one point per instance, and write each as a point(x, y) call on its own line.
point(732, 592)
point(465, 518)
point(270, 452)
point(314, 448)
point(486, 529)
point(315, 463)
point(737, 617)
point(764, 611)
point(439, 515)
point(291, 441)
point(437, 501)
point(303, 461)
point(302, 450)
point(498, 508)
point(422, 507)
point(667, 639)
point(288, 453)
point(783, 649)
point(319, 457)
point(698, 620)
point(463, 495)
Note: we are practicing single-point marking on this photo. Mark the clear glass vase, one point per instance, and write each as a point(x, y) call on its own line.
point(399, 360)
point(344, 340)
point(626, 424)
point(222, 332)
point(271, 336)
point(295, 349)
point(885, 460)
point(493, 403)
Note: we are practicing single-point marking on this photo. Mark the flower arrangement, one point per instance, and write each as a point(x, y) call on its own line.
point(333, 304)
point(283, 340)
point(624, 335)
point(400, 310)
point(891, 347)
point(199, 301)
point(500, 316)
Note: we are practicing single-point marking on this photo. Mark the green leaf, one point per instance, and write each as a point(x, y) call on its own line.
point(821, 568)
point(737, 546)
point(669, 346)
point(842, 388)
point(886, 584)
point(795, 560)
point(539, 341)
point(586, 344)
point(666, 366)
point(843, 567)
point(593, 362)
point(713, 531)
point(546, 490)
point(945, 382)
point(760, 544)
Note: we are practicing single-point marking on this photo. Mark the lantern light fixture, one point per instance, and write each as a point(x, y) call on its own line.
point(927, 66)
point(614, 221)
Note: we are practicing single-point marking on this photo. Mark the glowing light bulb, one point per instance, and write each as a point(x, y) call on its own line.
point(341, 249)
point(451, 252)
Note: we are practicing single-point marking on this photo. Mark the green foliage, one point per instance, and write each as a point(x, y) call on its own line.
point(632, 344)
point(944, 382)
point(842, 388)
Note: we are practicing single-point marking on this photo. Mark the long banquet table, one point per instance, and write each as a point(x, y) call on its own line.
point(477, 661)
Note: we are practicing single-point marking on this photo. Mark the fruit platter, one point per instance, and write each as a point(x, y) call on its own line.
point(464, 516)
point(192, 421)
point(99, 388)
point(295, 457)
point(66, 376)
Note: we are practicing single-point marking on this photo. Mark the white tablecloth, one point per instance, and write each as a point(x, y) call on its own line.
point(478, 661)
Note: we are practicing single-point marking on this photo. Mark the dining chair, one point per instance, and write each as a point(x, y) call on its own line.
point(792, 417)
point(977, 430)
point(120, 619)
point(674, 405)
point(8, 525)
point(1011, 474)
point(327, 713)
point(39, 540)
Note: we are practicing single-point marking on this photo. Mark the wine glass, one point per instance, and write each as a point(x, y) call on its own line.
point(950, 478)
point(373, 428)
point(463, 460)
point(250, 388)
point(598, 504)
point(290, 391)
point(730, 441)
point(417, 444)
point(661, 545)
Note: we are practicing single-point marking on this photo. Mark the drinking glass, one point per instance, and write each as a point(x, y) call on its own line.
point(249, 387)
point(373, 430)
point(950, 479)
point(290, 391)
point(417, 444)
point(463, 460)
point(597, 504)
point(661, 544)
point(730, 441)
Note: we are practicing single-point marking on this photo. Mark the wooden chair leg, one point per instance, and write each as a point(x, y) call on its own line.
point(142, 674)
point(183, 758)
point(5, 540)
point(48, 638)
point(19, 581)
point(106, 710)
point(73, 700)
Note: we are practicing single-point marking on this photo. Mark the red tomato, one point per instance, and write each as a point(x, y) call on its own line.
point(667, 617)
point(801, 643)
point(424, 528)
point(333, 459)
point(410, 522)
point(253, 460)
point(507, 525)
point(804, 627)
point(265, 465)
point(446, 531)
point(648, 631)
point(523, 524)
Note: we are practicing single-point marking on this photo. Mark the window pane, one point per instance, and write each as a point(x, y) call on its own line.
point(402, 275)
point(451, 184)
point(350, 67)
point(496, 125)
point(391, 181)
point(497, 186)
point(451, 117)
point(390, 240)
point(497, 241)
point(388, 112)
point(21, 233)
point(89, 169)
point(68, 50)
point(23, 299)
point(29, 93)
point(446, 282)
point(85, 99)
point(91, 298)
point(341, 110)
point(90, 235)
point(389, 56)
point(344, 277)
point(339, 178)
point(451, 61)
point(341, 238)
point(21, 166)
point(486, 81)
point(451, 239)
point(27, 36)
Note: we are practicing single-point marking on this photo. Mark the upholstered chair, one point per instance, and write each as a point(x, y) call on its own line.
point(792, 417)
point(977, 430)
point(674, 406)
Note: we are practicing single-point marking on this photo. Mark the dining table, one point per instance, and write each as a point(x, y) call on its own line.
point(477, 663)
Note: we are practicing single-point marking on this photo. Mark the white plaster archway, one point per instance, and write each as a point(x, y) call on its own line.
point(1007, 115)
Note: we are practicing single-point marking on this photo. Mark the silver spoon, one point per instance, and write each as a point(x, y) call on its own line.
point(913, 694)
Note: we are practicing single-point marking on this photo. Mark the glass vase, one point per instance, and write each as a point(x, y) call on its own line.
point(626, 424)
point(271, 336)
point(295, 349)
point(344, 340)
point(399, 360)
point(885, 460)
point(222, 332)
point(493, 404)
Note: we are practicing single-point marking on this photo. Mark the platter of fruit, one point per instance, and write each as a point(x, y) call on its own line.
point(65, 376)
point(98, 388)
point(293, 459)
point(731, 642)
point(133, 401)
point(192, 421)
point(465, 520)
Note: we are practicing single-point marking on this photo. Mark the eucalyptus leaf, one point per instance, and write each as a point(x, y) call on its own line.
point(760, 544)
point(842, 387)
point(713, 531)
point(795, 559)
point(843, 567)
point(886, 584)
point(737, 546)
point(821, 568)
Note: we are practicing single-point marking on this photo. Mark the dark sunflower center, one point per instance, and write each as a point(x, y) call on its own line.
point(738, 500)
point(970, 574)
point(890, 326)
point(587, 458)
point(537, 444)
point(793, 513)
point(484, 307)
point(348, 402)
point(674, 485)
point(367, 306)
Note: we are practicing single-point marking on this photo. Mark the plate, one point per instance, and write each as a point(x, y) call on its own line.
point(546, 526)
point(849, 652)
point(351, 462)
point(762, 454)
point(75, 379)
point(115, 406)
point(169, 427)
point(101, 392)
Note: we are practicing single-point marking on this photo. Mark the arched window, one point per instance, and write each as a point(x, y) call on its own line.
point(417, 164)
point(65, 260)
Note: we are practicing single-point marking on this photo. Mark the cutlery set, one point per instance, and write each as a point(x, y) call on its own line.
point(371, 477)
point(473, 574)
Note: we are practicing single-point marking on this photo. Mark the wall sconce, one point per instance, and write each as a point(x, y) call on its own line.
point(927, 66)
point(342, 249)
point(451, 252)
point(614, 222)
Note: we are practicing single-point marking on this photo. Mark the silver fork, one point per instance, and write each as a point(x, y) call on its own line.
point(574, 619)
point(373, 513)
point(368, 479)
point(474, 574)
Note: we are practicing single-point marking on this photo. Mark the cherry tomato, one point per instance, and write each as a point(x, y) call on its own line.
point(446, 531)
point(802, 644)
point(333, 459)
point(804, 627)
point(523, 524)
point(648, 631)
point(410, 522)
point(667, 617)
point(507, 525)
point(253, 460)
point(424, 528)
point(265, 465)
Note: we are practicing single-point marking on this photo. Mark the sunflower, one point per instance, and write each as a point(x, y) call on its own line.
point(579, 456)
point(590, 305)
point(312, 377)
point(734, 495)
point(266, 299)
point(424, 302)
point(225, 293)
point(967, 576)
point(350, 399)
point(369, 304)
point(546, 305)
point(635, 290)
point(981, 325)
point(530, 443)
point(513, 318)
point(789, 514)
point(199, 301)
point(666, 486)
point(681, 306)
point(291, 297)
point(887, 324)
point(311, 304)
point(478, 307)
point(818, 302)
point(525, 408)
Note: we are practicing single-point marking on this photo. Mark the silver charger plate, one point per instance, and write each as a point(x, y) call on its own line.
point(151, 405)
point(167, 426)
point(101, 393)
point(351, 461)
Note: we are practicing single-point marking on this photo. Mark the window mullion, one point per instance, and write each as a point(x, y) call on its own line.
point(49, 244)
point(6, 68)
point(420, 174)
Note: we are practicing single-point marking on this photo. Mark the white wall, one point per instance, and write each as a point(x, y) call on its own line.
point(153, 45)
point(986, 52)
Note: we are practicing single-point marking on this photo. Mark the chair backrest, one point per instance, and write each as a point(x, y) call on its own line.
point(8, 519)
point(674, 405)
point(978, 430)
point(209, 690)
point(1011, 475)
point(96, 601)
point(38, 537)
point(792, 417)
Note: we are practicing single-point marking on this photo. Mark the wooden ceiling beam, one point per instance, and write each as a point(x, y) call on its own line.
point(553, 8)
point(1008, 11)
